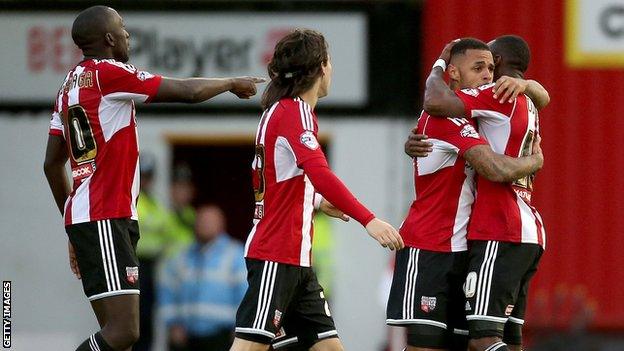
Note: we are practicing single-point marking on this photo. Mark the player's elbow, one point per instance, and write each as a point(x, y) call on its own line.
point(192, 93)
point(48, 167)
point(186, 91)
point(433, 105)
point(544, 101)
point(494, 176)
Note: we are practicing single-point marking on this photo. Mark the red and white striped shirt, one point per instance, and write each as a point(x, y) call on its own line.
point(444, 186)
point(94, 112)
point(503, 211)
point(288, 158)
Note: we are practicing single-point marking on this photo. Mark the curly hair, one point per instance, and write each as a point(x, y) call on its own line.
point(296, 64)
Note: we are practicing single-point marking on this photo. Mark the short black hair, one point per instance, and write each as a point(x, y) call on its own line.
point(465, 44)
point(91, 25)
point(514, 50)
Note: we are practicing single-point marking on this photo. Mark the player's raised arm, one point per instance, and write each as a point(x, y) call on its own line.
point(508, 88)
point(194, 90)
point(439, 99)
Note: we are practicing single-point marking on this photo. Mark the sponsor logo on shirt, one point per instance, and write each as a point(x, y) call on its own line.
point(524, 194)
point(83, 171)
point(469, 132)
point(427, 303)
point(309, 140)
point(259, 211)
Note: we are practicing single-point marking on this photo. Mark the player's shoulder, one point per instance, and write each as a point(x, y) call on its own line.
point(114, 65)
point(485, 89)
point(289, 108)
point(433, 125)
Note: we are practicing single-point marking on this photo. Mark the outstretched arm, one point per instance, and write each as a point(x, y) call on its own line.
point(501, 168)
point(194, 90)
point(334, 191)
point(54, 168)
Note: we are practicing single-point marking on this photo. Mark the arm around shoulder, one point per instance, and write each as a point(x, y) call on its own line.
point(538, 94)
point(501, 168)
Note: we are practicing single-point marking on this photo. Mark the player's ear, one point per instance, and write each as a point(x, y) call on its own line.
point(453, 72)
point(497, 59)
point(110, 40)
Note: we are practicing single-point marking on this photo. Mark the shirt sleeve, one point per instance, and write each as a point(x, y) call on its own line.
point(332, 189)
point(462, 134)
point(125, 82)
point(301, 131)
point(56, 124)
point(480, 102)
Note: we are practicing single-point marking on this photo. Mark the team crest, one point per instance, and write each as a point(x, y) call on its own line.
point(509, 309)
point(427, 303)
point(132, 274)
point(277, 318)
point(142, 75)
point(469, 132)
point(309, 140)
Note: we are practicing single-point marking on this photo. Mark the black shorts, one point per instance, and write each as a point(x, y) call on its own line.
point(106, 255)
point(284, 306)
point(427, 296)
point(497, 286)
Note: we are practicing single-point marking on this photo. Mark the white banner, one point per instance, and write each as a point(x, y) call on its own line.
point(595, 33)
point(38, 49)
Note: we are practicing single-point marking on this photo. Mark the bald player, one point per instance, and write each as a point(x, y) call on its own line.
point(93, 125)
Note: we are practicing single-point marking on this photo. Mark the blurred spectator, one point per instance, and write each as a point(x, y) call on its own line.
point(161, 235)
point(156, 236)
point(182, 193)
point(200, 289)
point(323, 253)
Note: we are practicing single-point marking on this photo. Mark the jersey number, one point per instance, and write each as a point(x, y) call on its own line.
point(83, 145)
point(527, 150)
point(259, 189)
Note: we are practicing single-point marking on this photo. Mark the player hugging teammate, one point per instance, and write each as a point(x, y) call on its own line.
point(471, 254)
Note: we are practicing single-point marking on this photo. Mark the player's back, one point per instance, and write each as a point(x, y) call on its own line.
point(94, 112)
point(444, 186)
point(283, 229)
point(503, 211)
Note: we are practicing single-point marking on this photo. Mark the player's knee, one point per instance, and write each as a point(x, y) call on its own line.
point(122, 334)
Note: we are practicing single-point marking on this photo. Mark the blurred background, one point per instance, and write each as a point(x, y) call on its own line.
point(196, 160)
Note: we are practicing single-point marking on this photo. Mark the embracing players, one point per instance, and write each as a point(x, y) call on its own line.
point(426, 294)
point(505, 232)
point(93, 125)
